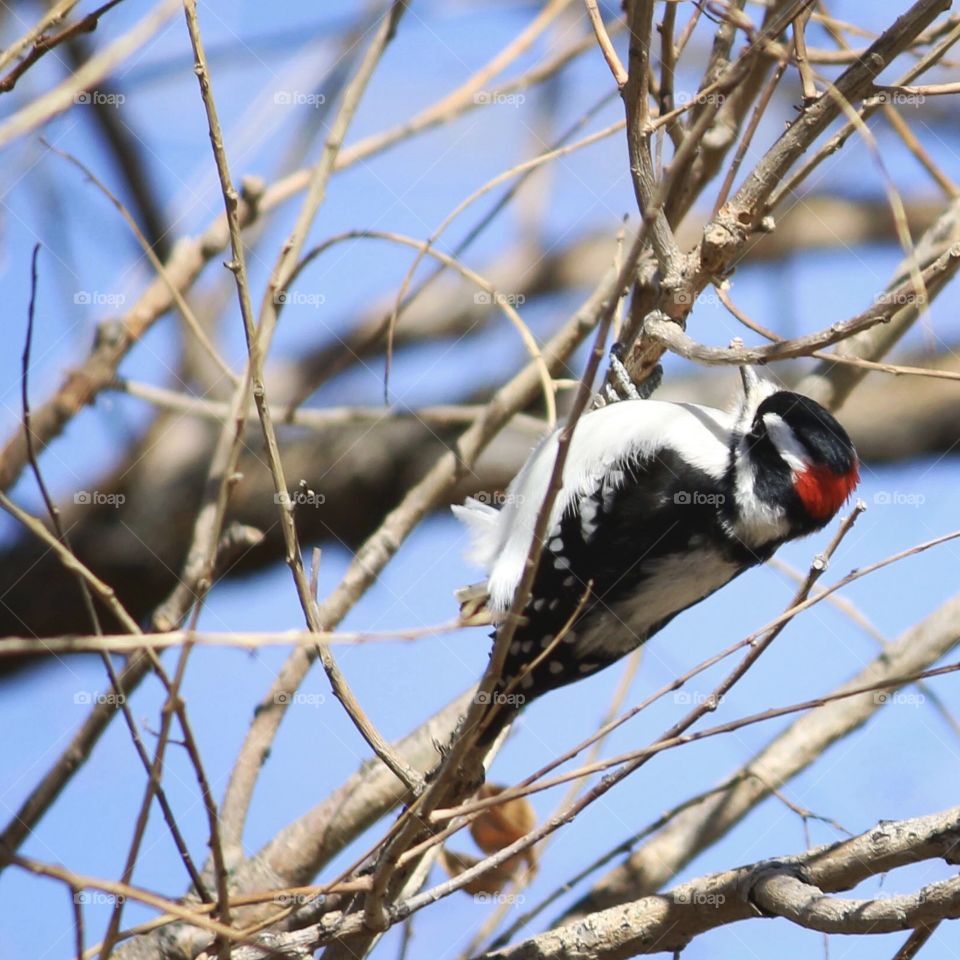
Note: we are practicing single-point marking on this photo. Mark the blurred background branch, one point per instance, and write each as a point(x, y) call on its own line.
point(799, 151)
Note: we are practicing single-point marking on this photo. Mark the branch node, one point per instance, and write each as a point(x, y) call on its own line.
point(109, 333)
point(718, 239)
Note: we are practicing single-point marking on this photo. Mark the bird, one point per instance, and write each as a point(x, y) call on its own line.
point(661, 504)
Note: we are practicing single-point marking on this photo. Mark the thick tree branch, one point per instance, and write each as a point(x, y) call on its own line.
point(781, 887)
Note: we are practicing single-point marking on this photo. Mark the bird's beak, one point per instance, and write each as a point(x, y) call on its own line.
point(750, 380)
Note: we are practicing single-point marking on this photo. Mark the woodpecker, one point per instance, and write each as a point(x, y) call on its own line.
point(660, 505)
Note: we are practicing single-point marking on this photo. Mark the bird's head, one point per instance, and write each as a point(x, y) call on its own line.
point(793, 465)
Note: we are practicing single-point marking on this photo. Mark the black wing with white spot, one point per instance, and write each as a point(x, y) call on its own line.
point(593, 568)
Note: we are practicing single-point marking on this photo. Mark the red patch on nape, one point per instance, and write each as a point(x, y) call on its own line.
point(822, 491)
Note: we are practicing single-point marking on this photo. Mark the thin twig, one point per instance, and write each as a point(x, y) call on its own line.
point(43, 44)
point(258, 337)
point(759, 111)
point(427, 248)
point(803, 64)
point(77, 906)
point(625, 763)
point(835, 358)
point(435, 415)
point(81, 881)
point(790, 185)
point(123, 643)
point(78, 570)
point(927, 90)
point(757, 644)
point(502, 300)
point(917, 940)
point(890, 302)
point(193, 324)
point(61, 98)
point(606, 47)
point(50, 18)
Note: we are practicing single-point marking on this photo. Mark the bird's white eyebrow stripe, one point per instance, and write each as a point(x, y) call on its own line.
point(786, 442)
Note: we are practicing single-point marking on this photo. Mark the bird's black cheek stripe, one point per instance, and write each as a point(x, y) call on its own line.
point(772, 478)
point(774, 481)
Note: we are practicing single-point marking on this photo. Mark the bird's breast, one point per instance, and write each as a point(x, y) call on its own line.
point(621, 620)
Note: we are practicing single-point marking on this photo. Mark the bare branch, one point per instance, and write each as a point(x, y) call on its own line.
point(653, 864)
point(64, 96)
point(668, 922)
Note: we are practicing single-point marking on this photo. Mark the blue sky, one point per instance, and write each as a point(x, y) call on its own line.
point(903, 763)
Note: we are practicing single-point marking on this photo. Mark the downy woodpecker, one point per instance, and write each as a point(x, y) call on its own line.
point(660, 505)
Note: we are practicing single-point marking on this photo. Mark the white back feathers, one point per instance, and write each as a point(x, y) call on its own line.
point(604, 441)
